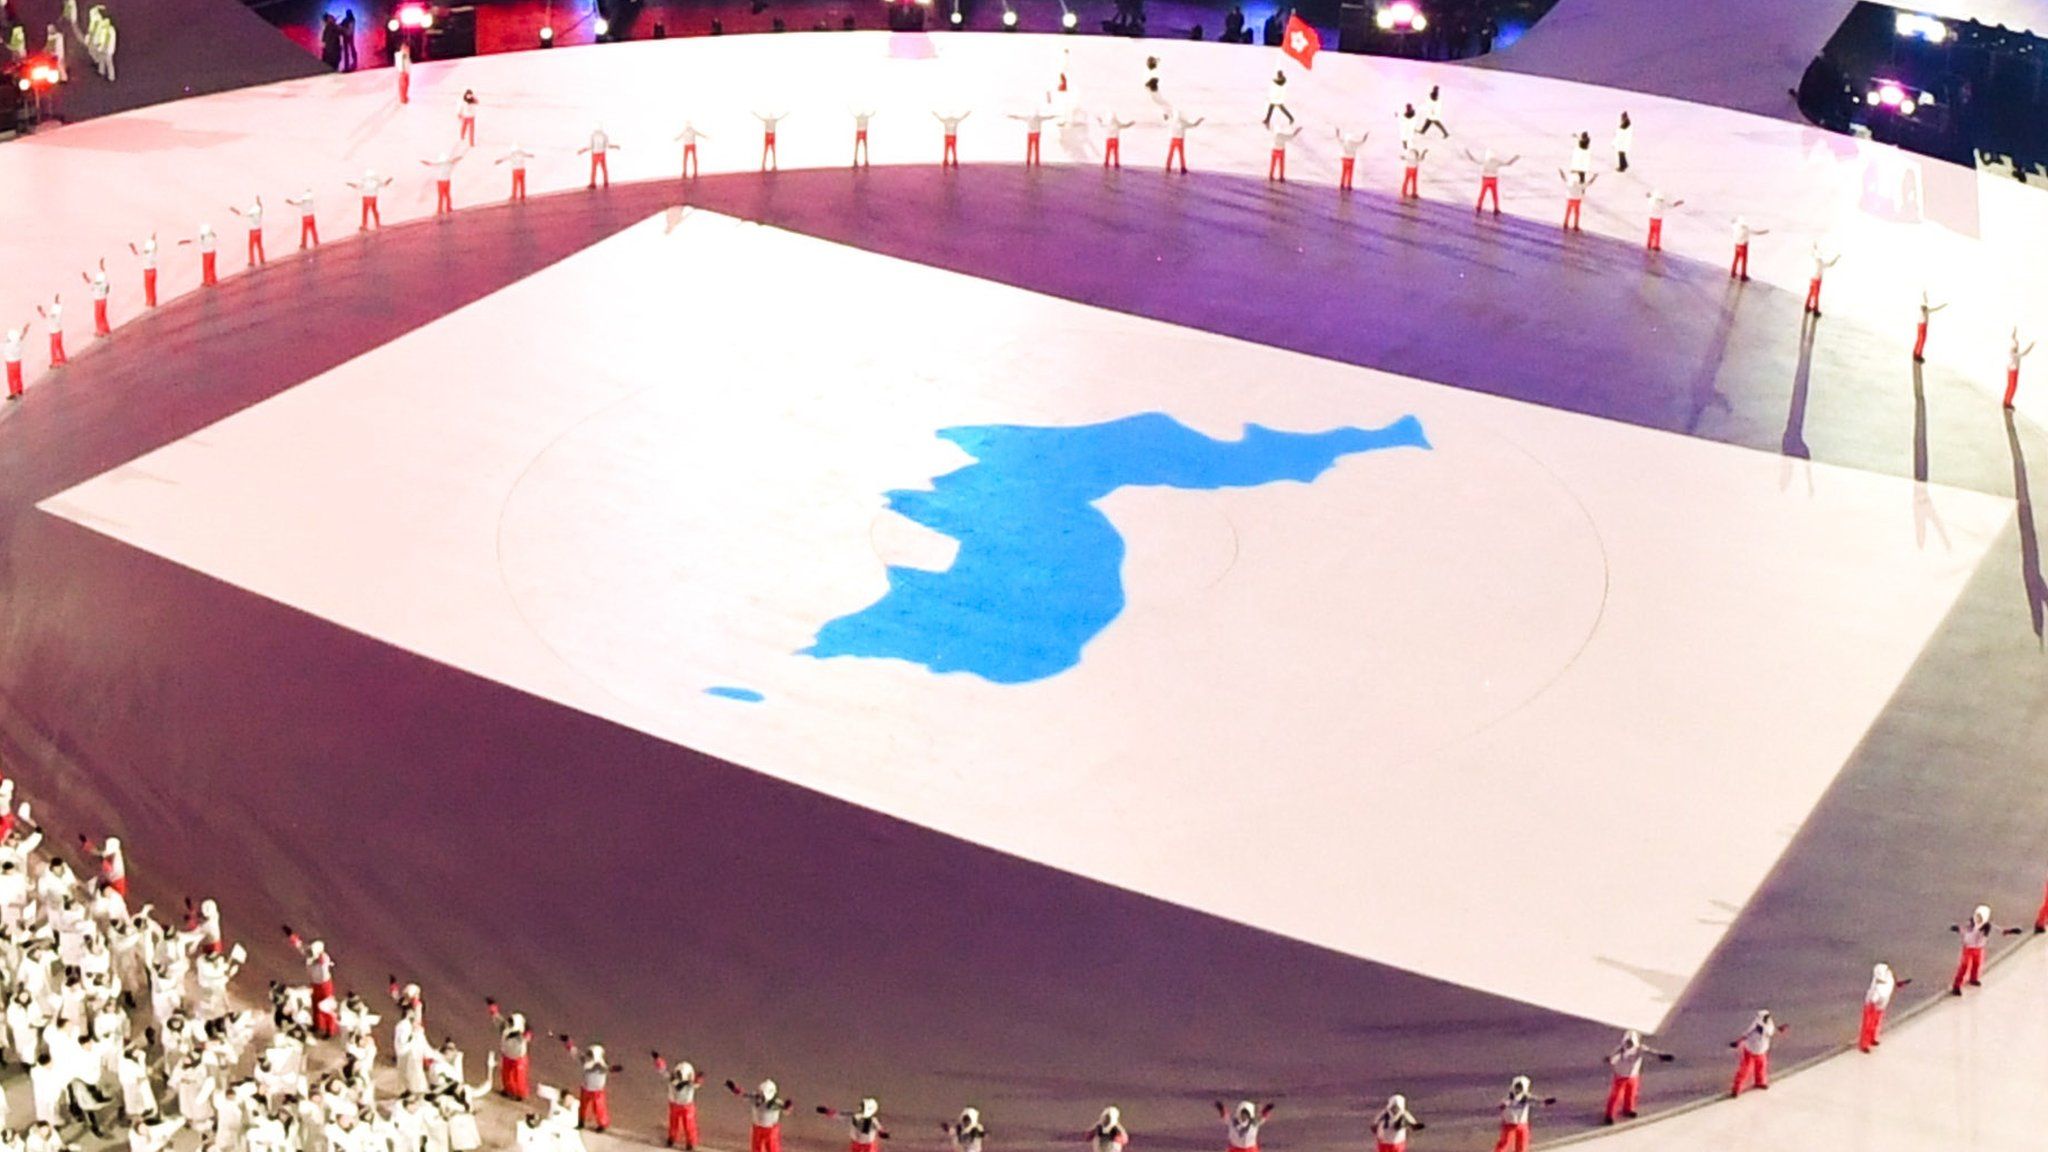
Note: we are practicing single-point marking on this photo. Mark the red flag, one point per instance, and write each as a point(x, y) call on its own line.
point(1300, 41)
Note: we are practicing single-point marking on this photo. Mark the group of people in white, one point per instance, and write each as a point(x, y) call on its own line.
point(98, 35)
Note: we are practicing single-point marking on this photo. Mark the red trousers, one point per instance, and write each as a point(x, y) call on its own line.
point(1031, 149)
point(57, 349)
point(444, 198)
point(1345, 167)
point(1383, 1146)
point(371, 217)
point(592, 1111)
point(1971, 966)
point(1813, 295)
point(209, 268)
point(599, 167)
point(1513, 1138)
point(2012, 388)
point(405, 87)
point(768, 158)
point(1873, 1023)
point(765, 1139)
point(1752, 1066)
point(1571, 213)
point(149, 287)
point(13, 379)
point(512, 1076)
point(1739, 270)
point(255, 247)
point(689, 161)
point(469, 130)
point(682, 1125)
point(1113, 152)
point(309, 233)
point(325, 1022)
point(1656, 241)
point(100, 327)
point(2041, 917)
point(1920, 353)
point(519, 183)
point(1621, 1096)
point(1411, 181)
point(1276, 168)
point(860, 147)
point(951, 156)
point(1177, 152)
point(1489, 188)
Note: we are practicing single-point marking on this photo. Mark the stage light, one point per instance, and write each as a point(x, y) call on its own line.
point(1906, 107)
point(43, 75)
point(601, 26)
point(547, 36)
point(1914, 25)
point(1384, 19)
point(415, 16)
point(392, 24)
point(955, 19)
point(1009, 18)
point(1400, 16)
point(1068, 20)
point(1870, 97)
point(1890, 94)
point(1419, 23)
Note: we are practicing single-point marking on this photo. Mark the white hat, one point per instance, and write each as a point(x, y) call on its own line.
point(112, 847)
point(767, 1090)
point(1397, 1103)
point(597, 1053)
point(1882, 972)
point(1519, 1086)
point(1111, 1117)
point(970, 1117)
point(518, 1021)
point(1246, 1111)
point(868, 1108)
point(1631, 1039)
point(317, 948)
point(1983, 913)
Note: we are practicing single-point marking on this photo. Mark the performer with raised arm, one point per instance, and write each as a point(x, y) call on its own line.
point(1490, 165)
point(1516, 1109)
point(1112, 141)
point(96, 286)
point(1575, 185)
point(599, 150)
point(770, 162)
point(1034, 124)
point(146, 251)
point(309, 226)
point(465, 118)
point(1877, 999)
point(1978, 930)
point(402, 60)
point(1177, 145)
point(2013, 355)
point(11, 341)
point(1820, 265)
point(369, 186)
point(593, 1109)
point(1390, 1127)
point(1658, 204)
point(253, 217)
point(209, 255)
point(320, 979)
point(1626, 1064)
point(443, 165)
point(517, 158)
point(967, 1134)
point(53, 319)
point(683, 1082)
point(861, 118)
point(1753, 1051)
point(1411, 171)
point(1241, 1124)
point(950, 157)
point(688, 138)
point(1276, 168)
point(515, 1042)
point(1109, 1133)
point(1927, 312)
point(864, 1124)
point(1347, 164)
point(765, 1105)
point(1739, 270)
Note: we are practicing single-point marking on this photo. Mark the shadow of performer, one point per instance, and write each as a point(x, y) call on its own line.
point(2030, 540)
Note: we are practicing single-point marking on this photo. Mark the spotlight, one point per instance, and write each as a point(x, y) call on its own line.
point(1906, 107)
point(392, 25)
point(601, 27)
point(1400, 16)
point(1912, 25)
point(414, 16)
point(955, 19)
point(547, 36)
point(1009, 18)
point(1068, 20)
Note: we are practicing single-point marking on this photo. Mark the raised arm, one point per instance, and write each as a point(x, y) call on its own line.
point(1510, 161)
